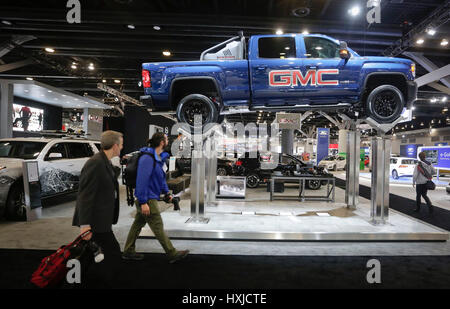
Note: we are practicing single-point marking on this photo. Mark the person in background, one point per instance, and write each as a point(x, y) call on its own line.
point(150, 183)
point(420, 179)
point(97, 207)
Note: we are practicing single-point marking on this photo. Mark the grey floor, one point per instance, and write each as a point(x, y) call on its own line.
point(54, 229)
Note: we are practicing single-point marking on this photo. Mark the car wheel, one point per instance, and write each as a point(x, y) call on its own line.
point(15, 204)
point(221, 171)
point(252, 181)
point(394, 174)
point(385, 104)
point(197, 104)
point(314, 184)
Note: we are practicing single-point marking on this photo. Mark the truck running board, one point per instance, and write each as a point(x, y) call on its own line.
point(305, 107)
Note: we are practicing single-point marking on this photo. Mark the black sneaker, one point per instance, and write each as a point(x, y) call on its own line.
point(179, 256)
point(132, 256)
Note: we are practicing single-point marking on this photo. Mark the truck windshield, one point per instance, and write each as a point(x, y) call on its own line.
point(20, 150)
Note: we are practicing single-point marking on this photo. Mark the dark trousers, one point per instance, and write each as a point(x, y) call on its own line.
point(421, 191)
point(103, 274)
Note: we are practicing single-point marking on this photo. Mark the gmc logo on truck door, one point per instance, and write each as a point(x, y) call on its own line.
point(295, 77)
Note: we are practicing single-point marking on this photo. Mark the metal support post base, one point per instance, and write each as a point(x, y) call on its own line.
point(198, 220)
point(381, 150)
point(352, 175)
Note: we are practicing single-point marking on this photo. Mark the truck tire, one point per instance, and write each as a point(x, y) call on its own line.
point(194, 104)
point(15, 204)
point(385, 104)
point(313, 184)
point(252, 180)
point(221, 171)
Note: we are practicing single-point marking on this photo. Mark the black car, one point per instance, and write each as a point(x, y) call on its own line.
point(288, 165)
point(224, 166)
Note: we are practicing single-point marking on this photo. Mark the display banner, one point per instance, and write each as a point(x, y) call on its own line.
point(323, 142)
point(409, 151)
point(439, 157)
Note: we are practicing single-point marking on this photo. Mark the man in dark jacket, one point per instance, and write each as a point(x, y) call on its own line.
point(97, 206)
point(150, 183)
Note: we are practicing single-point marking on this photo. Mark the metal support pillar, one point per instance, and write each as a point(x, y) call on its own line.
point(198, 162)
point(352, 175)
point(381, 150)
point(287, 141)
point(211, 172)
point(6, 109)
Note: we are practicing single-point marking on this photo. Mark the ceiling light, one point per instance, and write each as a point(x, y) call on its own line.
point(29, 78)
point(420, 41)
point(305, 32)
point(131, 27)
point(104, 80)
point(444, 42)
point(444, 99)
point(166, 53)
point(49, 50)
point(117, 81)
point(5, 22)
point(73, 66)
point(279, 32)
point(433, 100)
point(157, 28)
point(354, 11)
point(91, 67)
point(431, 31)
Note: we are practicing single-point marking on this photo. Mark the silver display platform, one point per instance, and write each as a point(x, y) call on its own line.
point(260, 220)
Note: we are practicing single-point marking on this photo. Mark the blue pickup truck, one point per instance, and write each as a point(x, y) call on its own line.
point(289, 72)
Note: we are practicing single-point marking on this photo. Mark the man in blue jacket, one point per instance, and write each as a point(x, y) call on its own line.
point(150, 183)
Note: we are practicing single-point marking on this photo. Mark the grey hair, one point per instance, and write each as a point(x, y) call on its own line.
point(109, 139)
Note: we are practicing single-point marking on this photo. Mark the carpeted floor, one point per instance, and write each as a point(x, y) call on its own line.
point(440, 217)
point(251, 272)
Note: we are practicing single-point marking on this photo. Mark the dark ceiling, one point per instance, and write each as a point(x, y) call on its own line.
point(187, 27)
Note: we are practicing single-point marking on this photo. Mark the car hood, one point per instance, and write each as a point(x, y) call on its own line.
point(13, 167)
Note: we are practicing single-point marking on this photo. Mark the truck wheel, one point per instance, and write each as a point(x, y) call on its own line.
point(15, 204)
point(252, 181)
point(385, 104)
point(313, 184)
point(197, 104)
point(221, 171)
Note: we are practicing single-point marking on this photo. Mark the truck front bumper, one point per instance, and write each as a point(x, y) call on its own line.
point(411, 93)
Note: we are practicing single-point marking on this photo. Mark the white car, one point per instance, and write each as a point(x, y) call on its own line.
point(60, 161)
point(402, 166)
point(333, 163)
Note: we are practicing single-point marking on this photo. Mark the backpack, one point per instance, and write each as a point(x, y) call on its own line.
point(130, 173)
point(53, 269)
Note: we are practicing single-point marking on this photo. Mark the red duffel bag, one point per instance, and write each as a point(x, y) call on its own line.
point(52, 269)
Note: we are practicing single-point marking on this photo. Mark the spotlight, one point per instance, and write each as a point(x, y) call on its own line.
point(132, 27)
point(104, 80)
point(279, 32)
point(5, 22)
point(431, 31)
point(444, 99)
point(420, 41)
point(29, 78)
point(354, 11)
point(157, 28)
point(166, 53)
point(433, 100)
point(444, 42)
point(73, 66)
point(305, 32)
point(117, 81)
point(49, 50)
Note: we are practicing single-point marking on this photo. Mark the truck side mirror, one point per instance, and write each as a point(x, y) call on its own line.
point(343, 51)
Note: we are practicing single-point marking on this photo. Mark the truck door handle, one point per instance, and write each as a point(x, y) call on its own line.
point(311, 67)
point(262, 67)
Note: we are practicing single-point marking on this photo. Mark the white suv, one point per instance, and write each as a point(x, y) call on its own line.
point(333, 163)
point(402, 166)
point(60, 161)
